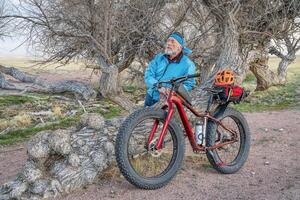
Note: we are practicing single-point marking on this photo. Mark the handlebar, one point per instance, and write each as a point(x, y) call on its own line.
point(173, 81)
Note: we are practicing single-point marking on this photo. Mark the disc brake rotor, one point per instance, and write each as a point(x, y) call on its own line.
point(223, 137)
point(152, 150)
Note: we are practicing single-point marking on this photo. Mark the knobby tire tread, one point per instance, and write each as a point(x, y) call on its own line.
point(244, 148)
point(120, 147)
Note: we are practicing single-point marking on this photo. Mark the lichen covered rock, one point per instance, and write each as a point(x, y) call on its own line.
point(59, 142)
point(38, 147)
point(62, 161)
point(92, 120)
point(30, 172)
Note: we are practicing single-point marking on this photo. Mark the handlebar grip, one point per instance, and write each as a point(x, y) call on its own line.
point(193, 75)
point(157, 85)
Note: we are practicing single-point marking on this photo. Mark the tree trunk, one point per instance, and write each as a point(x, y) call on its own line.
point(109, 83)
point(282, 71)
point(229, 59)
point(265, 78)
point(4, 84)
point(283, 65)
point(230, 54)
point(205, 71)
point(109, 87)
point(127, 63)
point(286, 60)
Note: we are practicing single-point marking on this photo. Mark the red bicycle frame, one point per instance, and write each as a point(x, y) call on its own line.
point(174, 98)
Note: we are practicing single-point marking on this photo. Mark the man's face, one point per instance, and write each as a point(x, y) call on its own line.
point(172, 48)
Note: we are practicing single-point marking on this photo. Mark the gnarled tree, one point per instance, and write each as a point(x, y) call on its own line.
point(106, 34)
point(243, 31)
point(286, 47)
point(5, 27)
point(272, 27)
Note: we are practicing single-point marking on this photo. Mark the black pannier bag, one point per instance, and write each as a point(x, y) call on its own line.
point(229, 93)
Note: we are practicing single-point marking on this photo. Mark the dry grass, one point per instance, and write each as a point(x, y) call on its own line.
point(196, 158)
point(18, 121)
point(22, 120)
point(148, 166)
point(112, 172)
point(4, 124)
point(57, 111)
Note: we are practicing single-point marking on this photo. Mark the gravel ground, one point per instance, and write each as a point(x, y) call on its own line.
point(271, 172)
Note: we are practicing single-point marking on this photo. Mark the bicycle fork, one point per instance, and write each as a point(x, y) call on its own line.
point(158, 145)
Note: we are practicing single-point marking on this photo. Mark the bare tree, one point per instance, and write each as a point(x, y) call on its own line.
point(107, 34)
point(204, 38)
point(271, 27)
point(32, 83)
point(232, 34)
point(286, 47)
point(237, 35)
point(245, 29)
point(4, 23)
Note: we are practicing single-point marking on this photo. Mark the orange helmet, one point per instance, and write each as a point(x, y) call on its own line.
point(225, 77)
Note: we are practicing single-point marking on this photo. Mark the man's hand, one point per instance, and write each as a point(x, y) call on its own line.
point(163, 94)
point(164, 90)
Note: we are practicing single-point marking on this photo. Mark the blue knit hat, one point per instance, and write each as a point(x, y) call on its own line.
point(180, 40)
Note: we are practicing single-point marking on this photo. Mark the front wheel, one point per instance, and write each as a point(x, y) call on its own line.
point(231, 157)
point(139, 162)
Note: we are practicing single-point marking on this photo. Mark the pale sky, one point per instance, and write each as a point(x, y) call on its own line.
point(8, 45)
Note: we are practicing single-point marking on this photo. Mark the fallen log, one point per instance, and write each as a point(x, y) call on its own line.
point(73, 86)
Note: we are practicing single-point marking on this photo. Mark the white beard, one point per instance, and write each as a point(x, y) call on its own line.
point(169, 52)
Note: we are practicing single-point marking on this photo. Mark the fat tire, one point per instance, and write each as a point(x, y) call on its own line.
point(121, 146)
point(244, 139)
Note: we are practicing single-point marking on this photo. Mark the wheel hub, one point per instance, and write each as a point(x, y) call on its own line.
point(151, 148)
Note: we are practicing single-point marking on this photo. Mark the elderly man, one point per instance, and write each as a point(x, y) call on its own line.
point(165, 66)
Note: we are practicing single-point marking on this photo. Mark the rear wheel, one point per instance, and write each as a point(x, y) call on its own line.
point(141, 164)
point(231, 157)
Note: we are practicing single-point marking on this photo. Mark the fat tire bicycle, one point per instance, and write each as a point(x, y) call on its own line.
point(150, 144)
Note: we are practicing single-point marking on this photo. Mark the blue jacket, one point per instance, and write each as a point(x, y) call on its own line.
point(160, 69)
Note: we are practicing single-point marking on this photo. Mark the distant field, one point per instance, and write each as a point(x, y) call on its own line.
point(31, 64)
point(53, 72)
point(293, 69)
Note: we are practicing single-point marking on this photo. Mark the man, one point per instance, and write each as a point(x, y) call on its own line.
point(165, 66)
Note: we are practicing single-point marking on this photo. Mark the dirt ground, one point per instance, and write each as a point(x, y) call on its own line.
point(272, 170)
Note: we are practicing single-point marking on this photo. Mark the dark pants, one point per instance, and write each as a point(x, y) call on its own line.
point(149, 101)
